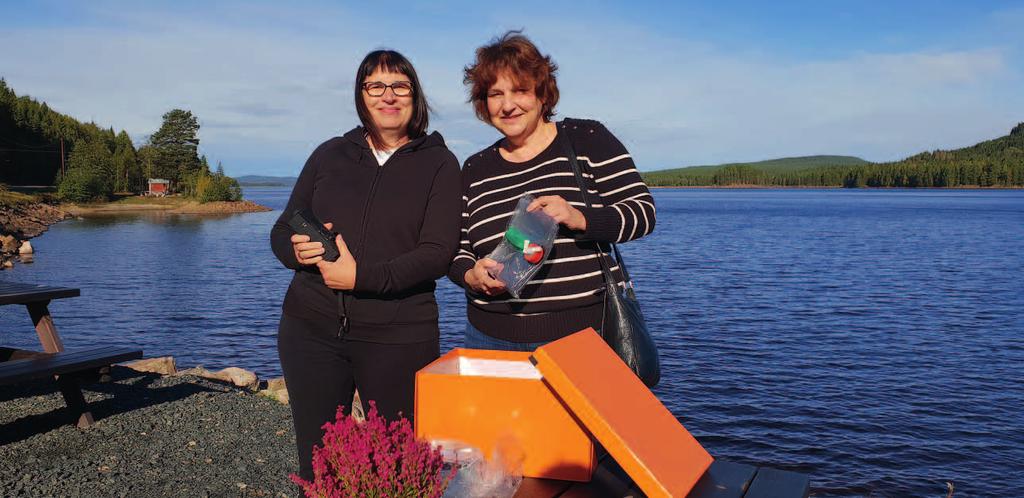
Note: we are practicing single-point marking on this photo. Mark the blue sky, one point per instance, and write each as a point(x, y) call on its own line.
point(681, 83)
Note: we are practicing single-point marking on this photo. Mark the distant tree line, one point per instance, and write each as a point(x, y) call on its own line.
point(993, 163)
point(97, 162)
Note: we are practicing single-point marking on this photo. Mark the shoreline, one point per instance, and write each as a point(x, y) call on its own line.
point(22, 221)
point(177, 207)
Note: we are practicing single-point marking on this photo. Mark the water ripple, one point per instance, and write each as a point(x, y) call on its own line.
point(869, 338)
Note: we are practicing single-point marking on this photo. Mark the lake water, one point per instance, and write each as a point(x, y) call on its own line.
point(870, 338)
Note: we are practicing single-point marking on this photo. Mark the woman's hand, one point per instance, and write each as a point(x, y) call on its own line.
point(480, 280)
point(341, 274)
point(306, 252)
point(560, 210)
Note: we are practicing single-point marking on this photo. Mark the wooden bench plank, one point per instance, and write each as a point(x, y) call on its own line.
point(63, 363)
point(8, 354)
point(724, 479)
point(19, 293)
point(775, 483)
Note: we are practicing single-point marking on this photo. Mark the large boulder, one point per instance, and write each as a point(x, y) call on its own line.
point(234, 375)
point(276, 389)
point(163, 365)
point(240, 377)
point(8, 244)
point(26, 248)
point(276, 384)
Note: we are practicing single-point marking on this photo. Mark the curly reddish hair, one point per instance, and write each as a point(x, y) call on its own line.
point(519, 57)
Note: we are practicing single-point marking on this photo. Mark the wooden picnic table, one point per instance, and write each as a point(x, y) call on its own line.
point(17, 365)
point(723, 479)
point(36, 299)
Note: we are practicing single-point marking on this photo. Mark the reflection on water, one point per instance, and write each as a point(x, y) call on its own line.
point(870, 338)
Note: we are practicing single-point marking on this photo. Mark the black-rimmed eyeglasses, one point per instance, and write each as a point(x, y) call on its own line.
point(377, 88)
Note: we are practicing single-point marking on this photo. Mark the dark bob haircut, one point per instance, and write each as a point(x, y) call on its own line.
point(391, 62)
point(517, 56)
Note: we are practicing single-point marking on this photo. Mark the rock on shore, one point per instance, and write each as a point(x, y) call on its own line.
point(21, 222)
point(155, 435)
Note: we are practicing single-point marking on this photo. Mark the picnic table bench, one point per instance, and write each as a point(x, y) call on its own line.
point(723, 479)
point(17, 365)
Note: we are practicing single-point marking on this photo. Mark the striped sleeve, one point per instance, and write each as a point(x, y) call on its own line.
point(465, 258)
point(627, 210)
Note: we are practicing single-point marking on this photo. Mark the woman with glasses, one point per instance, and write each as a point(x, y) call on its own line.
point(513, 88)
point(368, 320)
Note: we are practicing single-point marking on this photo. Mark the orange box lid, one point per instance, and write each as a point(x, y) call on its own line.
point(646, 440)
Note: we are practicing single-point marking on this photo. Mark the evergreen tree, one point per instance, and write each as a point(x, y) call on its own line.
point(176, 146)
point(90, 173)
point(127, 172)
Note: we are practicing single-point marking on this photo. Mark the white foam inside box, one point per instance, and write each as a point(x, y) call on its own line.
point(483, 367)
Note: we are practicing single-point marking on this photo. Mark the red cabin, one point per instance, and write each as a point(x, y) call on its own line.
point(158, 187)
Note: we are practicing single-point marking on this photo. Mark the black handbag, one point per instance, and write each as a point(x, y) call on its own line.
point(623, 326)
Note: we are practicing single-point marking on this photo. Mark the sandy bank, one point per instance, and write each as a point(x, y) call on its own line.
point(175, 206)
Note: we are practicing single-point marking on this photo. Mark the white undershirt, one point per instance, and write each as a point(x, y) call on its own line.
point(382, 155)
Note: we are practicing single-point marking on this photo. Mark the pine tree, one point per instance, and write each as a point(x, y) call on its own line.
point(176, 145)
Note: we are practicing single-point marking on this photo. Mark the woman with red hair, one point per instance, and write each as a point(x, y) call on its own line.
point(513, 88)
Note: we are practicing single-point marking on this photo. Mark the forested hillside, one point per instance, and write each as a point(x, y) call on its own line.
point(772, 170)
point(31, 136)
point(39, 146)
point(993, 163)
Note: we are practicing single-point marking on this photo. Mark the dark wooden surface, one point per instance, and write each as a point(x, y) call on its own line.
point(19, 365)
point(775, 483)
point(19, 293)
point(63, 363)
point(722, 480)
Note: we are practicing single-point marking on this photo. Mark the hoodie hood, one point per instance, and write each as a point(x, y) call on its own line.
point(357, 136)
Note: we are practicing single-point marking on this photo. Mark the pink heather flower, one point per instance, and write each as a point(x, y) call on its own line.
point(374, 459)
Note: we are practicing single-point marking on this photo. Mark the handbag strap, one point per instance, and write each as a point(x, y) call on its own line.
point(570, 152)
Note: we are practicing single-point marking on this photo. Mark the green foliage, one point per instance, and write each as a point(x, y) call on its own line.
point(101, 161)
point(215, 187)
point(31, 135)
point(993, 163)
point(784, 171)
point(90, 175)
point(176, 146)
point(128, 175)
point(9, 198)
point(146, 156)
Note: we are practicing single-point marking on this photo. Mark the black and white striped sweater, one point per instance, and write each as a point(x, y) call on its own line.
point(566, 294)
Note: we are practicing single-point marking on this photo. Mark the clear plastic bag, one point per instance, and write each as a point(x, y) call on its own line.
point(524, 247)
point(477, 477)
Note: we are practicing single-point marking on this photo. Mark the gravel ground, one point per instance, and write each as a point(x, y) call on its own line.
point(154, 436)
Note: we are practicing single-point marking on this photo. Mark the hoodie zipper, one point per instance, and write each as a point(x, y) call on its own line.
point(344, 325)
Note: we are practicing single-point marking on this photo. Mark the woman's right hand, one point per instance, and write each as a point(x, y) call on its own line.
point(306, 252)
point(479, 278)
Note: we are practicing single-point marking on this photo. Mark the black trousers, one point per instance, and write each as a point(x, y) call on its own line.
point(322, 371)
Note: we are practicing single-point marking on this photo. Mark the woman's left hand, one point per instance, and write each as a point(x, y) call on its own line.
point(560, 209)
point(340, 274)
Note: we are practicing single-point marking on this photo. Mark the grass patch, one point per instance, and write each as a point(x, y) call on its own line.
point(8, 198)
point(159, 201)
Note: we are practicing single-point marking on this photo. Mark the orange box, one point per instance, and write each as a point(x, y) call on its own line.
point(488, 398)
point(644, 438)
point(539, 403)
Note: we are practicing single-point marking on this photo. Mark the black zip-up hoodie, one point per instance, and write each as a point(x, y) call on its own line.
point(401, 222)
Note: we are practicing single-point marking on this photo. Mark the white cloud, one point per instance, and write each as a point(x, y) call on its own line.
point(269, 83)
